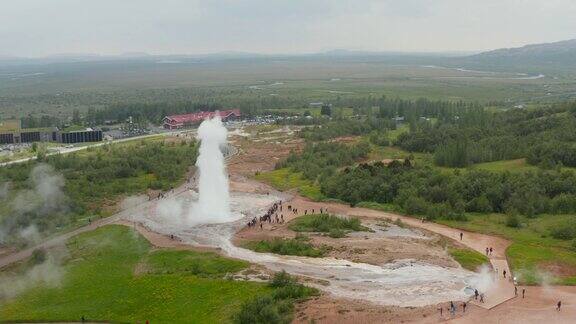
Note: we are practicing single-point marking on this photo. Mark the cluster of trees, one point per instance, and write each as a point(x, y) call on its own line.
point(151, 112)
point(95, 179)
point(435, 194)
point(31, 121)
point(377, 107)
point(412, 110)
point(320, 160)
point(553, 153)
point(348, 127)
point(545, 136)
point(278, 305)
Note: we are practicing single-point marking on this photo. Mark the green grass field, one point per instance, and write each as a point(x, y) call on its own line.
point(518, 165)
point(378, 153)
point(285, 179)
point(427, 159)
point(100, 283)
point(325, 223)
point(295, 246)
point(468, 259)
point(534, 255)
point(393, 134)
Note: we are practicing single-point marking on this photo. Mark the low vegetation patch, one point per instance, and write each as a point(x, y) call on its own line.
point(324, 223)
point(468, 259)
point(534, 248)
point(294, 246)
point(285, 179)
point(202, 264)
point(277, 307)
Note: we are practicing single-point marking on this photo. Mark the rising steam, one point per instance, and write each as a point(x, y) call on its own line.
point(40, 207)
point(213, 204)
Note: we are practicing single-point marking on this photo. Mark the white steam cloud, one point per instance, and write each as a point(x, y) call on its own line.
point(213, 194)
point(40, 206)
point(48, 273)
point(46, 196)
point(4, 190)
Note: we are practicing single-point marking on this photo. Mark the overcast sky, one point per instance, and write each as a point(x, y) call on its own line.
point(44, 27)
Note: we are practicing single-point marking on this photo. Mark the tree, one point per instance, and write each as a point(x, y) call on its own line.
point(76, 117)
point(326, 110)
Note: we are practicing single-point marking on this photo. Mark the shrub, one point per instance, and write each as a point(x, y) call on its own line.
point(297, 246)
point(512, 220)
point(277, 307)
point(336, 233)
point(415, 205)
point(260, 310)
point(398, 222)
point(282, 279)
point(564, 232)
point(438, 211)
point(325, 223)
point(38, 256)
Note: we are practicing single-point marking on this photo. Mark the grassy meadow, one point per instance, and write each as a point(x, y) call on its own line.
point(112, 274)
point(468, 258)
point(535, 256)
point(325, 223)
point(285, 179)
point(292, 246)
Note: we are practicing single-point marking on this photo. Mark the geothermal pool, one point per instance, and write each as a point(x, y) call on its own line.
point(400, 283)
point(211, 216)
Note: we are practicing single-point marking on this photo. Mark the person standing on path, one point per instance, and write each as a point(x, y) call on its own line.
point(516, 291)
point(464, 307)
point(559, 305)
point(523, 292)
point(461, 235)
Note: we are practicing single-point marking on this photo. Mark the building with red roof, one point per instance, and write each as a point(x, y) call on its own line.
point(181, 121)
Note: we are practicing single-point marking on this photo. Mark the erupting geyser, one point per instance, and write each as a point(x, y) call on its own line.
point(213, 204)
point(214, 217)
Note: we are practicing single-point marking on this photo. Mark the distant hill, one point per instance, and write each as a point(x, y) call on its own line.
point(558, 56)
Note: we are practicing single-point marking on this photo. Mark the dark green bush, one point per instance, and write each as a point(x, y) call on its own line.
point(513, 221)
point(278, 306)
point(297, 246)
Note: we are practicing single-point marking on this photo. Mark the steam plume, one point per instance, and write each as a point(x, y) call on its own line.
point(213, 195)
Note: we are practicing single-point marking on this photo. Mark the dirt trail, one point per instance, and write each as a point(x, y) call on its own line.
point(21, 255)
point(501, 306)
point(502, 290)
point(537, 307)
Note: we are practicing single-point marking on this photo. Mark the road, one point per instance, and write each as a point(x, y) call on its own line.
point(65, 150)
point(62, 238)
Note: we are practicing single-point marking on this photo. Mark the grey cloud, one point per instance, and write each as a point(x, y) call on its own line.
point(40, 27)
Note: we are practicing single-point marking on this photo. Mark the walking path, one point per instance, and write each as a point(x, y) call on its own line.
point(62, 238)
point(116, 218)
point(502, 289)
point(66, 150)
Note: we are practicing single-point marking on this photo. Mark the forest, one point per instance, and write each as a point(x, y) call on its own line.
point(86, 184)
point(458, 134)
point(545, 137)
